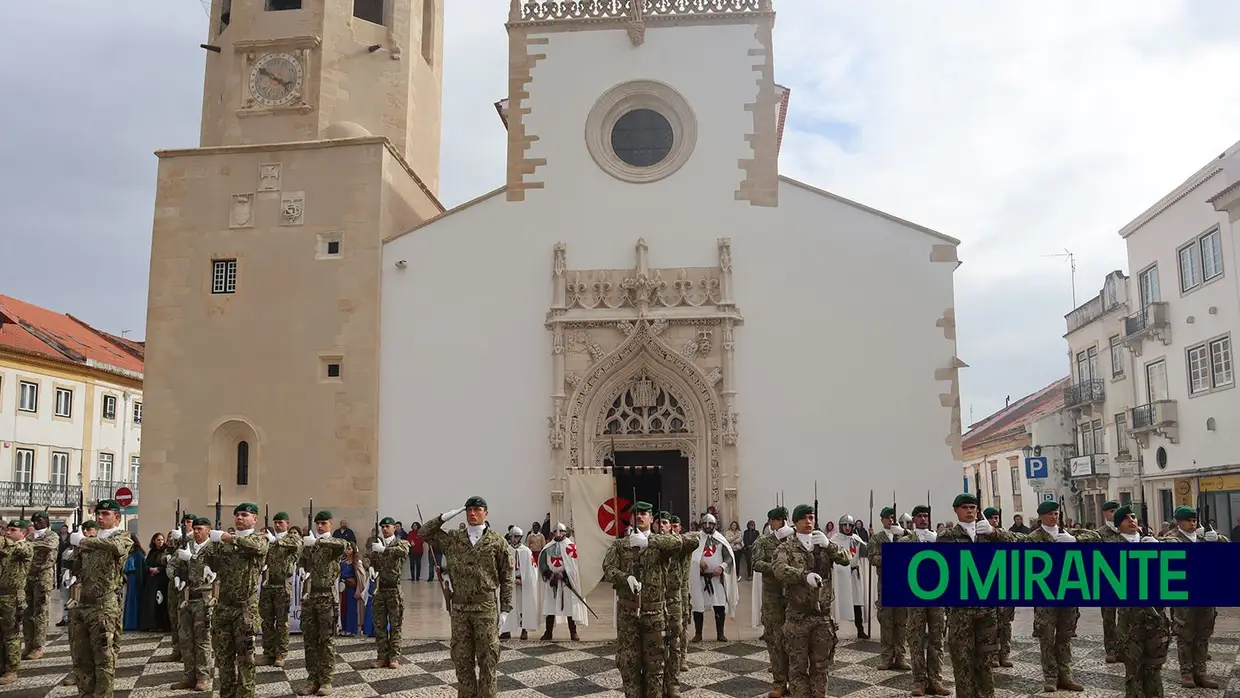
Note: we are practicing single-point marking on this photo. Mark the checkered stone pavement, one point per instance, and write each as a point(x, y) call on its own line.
point(568, 670)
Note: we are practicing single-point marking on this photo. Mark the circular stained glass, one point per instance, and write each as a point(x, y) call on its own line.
point(642, 138)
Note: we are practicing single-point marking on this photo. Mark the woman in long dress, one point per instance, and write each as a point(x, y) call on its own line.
point(348, 593)
point(153, 616)
point(135, 570)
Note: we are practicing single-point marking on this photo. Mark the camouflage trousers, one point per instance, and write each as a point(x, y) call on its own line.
point(1143, 636)
point(1110, 636)
point(687, 606)
point(389, 611)
point(34, 617)
point(640, 650)
point(174, 619)
point(10, 632)
point(1005, 616)
point(773, 619)
point(675, 637)
point(891, 622)
point(273, 605)
point(925, 628)
point(94, 646)
point(194, 638)
point(1193, 628)
point(1055, 628)
point(232, 638)
point(972, 640)
point(810, 640)
point(475, 643)
point(319, 614)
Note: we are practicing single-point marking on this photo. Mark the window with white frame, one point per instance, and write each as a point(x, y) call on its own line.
point(1085, 439)
point(1156, 381)
point(224, 276)
point(137, 413)
point(1015, 479)
point(1147, 281)
point(60, 469)
point(135, 463)
point(1121, 433)
point(994, 480)
point(23, 466)
point(106, 461)
point(1200, 261)
point(64, 402)
point(1100, 442)
point(1209, 366)
point(1117, 356)
point(28, 396)
point(109, 407)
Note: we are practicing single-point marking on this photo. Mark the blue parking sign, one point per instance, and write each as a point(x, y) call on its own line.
point(1036, 467)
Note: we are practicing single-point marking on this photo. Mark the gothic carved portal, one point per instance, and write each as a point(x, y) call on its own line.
point(643, 361)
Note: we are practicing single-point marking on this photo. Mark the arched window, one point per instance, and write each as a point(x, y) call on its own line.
point(243, 463)
point(645, 408)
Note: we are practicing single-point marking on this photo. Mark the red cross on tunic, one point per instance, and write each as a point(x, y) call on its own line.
point(709, 550)
point(557, 562)
point(533, 559)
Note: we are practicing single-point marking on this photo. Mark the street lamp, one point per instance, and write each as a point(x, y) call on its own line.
point(1027, 450)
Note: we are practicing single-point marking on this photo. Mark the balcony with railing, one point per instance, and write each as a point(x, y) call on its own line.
point(1086, 392)
point(39, 495)
point(106, 489)
point(1150, 321)
point(1158, 417)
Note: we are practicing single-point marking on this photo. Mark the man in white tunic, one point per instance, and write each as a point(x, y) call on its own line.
point(524, 615)
point(712, 580)
point(557, 565)
point(847, 579)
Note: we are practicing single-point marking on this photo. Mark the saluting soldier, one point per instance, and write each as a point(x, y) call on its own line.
point(1006, 615)
point(193, 602)
point(40, 579)
point(1193, 627)
point(277, 592)
point(972, 632)
point(176, 540)
point(1109, 532)
point(769, 594)
point(1143, 633)
point(101, 559)
point(238, 559)
point(926, 627)
point(320, 564)
point(481, 564)
point(891, 621)
point(675, 592)
point(387, 558)
point(15, 557)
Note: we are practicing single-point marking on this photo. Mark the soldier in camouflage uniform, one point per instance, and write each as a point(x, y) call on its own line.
point(1109, 533)
point(277, 592)
point(892, 621)
point(774, 606)
point(804, 563)
point(681, 564)
point(101, 564)
point(238, 559)
point(1143, 633)
point(972, 633)
point(1193, 626)
point(176, 540)
point(482, 563)
point(387, 557)
point(926, 627)
point(320, 565)
point(15, 557)
point(39, 582)
point(1005, 615)
point(637, 567)
point(676, 592)
point(70, 581)
point(194, 601)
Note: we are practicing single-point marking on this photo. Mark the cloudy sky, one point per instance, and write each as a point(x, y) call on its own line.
point(1023, 129)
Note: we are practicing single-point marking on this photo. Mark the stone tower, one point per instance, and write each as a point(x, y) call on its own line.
point(320, 139)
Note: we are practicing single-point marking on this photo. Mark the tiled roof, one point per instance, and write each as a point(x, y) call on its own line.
point(1013, 418)
point(28, 328)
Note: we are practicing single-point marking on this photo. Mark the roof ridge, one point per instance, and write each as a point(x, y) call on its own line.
point(118, 342)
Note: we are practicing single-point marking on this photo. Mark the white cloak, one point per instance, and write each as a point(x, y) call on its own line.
point(717, 553)
point(847, 580)
point(755, 602)
point(524, 615)
point(561, 556)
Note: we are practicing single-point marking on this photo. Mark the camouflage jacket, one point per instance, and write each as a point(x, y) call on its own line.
point(191, 571)
point(389, 564)
point(281, 558)
point(875, 548)
point(15, 558)
point(957, 534)
point(651, 565)
point(237, 564)
point(1109, 535)
point(1178, 536)
point(677, 587)
point(793, 563)
point(322, 561)
point(43, 566)
point(1040, 535)
point(478, 569)
point(763, 559)
point(101, 566)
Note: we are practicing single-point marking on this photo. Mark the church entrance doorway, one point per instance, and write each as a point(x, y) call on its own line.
point(658, 477)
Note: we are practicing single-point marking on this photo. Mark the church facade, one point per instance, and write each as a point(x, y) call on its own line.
point(646, 297)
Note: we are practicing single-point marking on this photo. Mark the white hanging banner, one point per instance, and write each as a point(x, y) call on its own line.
point(594, 515)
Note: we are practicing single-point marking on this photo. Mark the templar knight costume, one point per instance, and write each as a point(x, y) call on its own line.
point(712, 580)
point(524, 614)
point(849, 599)
point(557, 566)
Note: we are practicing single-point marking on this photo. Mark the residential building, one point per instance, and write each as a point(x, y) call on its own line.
point(70, 412)
point(1183, 319)
point(996, 447)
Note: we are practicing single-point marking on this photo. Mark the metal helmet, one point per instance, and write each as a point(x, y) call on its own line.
point(847, 520)
point(515, 532)
point(905, 520)
point(709, 519)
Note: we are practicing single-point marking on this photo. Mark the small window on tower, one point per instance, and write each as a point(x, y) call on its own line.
point(333, 370)
point(369, 10)
point(428, 31)
point(225, 14)
point(276, 5)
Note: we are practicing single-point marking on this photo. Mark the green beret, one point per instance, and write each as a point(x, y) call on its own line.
point(18, 523)
point(187, 517)
point(1183, 513)
point(40, 515)
point(663, 516)
point(801, 511)
point(1048, 507)
point(387, 521)
point(324, 515)
point(475, 501)
point(989, 512)
point(200, 521)
point(280, 516)
point(921, 509)
point(107, 505)
point(962, 499)
point(1110, 506)
point(642, 507)
point(90, 524)
point(887, 511)
point(246, 508)
point(778, 513)
point(673, 519)
point(1121, 514)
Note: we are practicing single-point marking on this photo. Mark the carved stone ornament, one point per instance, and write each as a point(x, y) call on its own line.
point(637, 22)
point(269, 177)
point(725, 254)
point(715, 375)
point(241, 215)
point(292, 208)
point(559, 259)
point(556, 424)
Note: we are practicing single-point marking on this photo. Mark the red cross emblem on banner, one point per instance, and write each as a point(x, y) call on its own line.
point(613, 514)
point(571, 549)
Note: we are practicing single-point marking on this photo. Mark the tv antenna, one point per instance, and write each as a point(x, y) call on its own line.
point(1067, 254)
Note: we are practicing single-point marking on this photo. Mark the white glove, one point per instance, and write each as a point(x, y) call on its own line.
point(271, 537)
point(208, 574)
point(159, 597)
point(176, 534)
point(308, 540)
point(76, 538)
point(983, 528)
point(1211, 536)
point(926, 535)
point(503, 618)
point(784, 532)
point(1149, 539)
point(819, 539)
point(1064, 537)
point(64, 578)
point(451, 514)
point(634, 585)
point(216, 536)
point(895, 532)
point(637, 540)
point(378, 547)
point(305, 573)
point(374, 574)
point(72, 581)
point(813, 579)
point(178, 583)
point(184, 554)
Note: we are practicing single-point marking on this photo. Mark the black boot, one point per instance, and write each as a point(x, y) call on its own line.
point(572, 630)
point(550, 626)
point(719, 624)
point(698, 619)
point(860, 627)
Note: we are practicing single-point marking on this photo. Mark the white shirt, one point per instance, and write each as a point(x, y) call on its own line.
point(805, 540)
point(969, 528)
point(475, 533)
